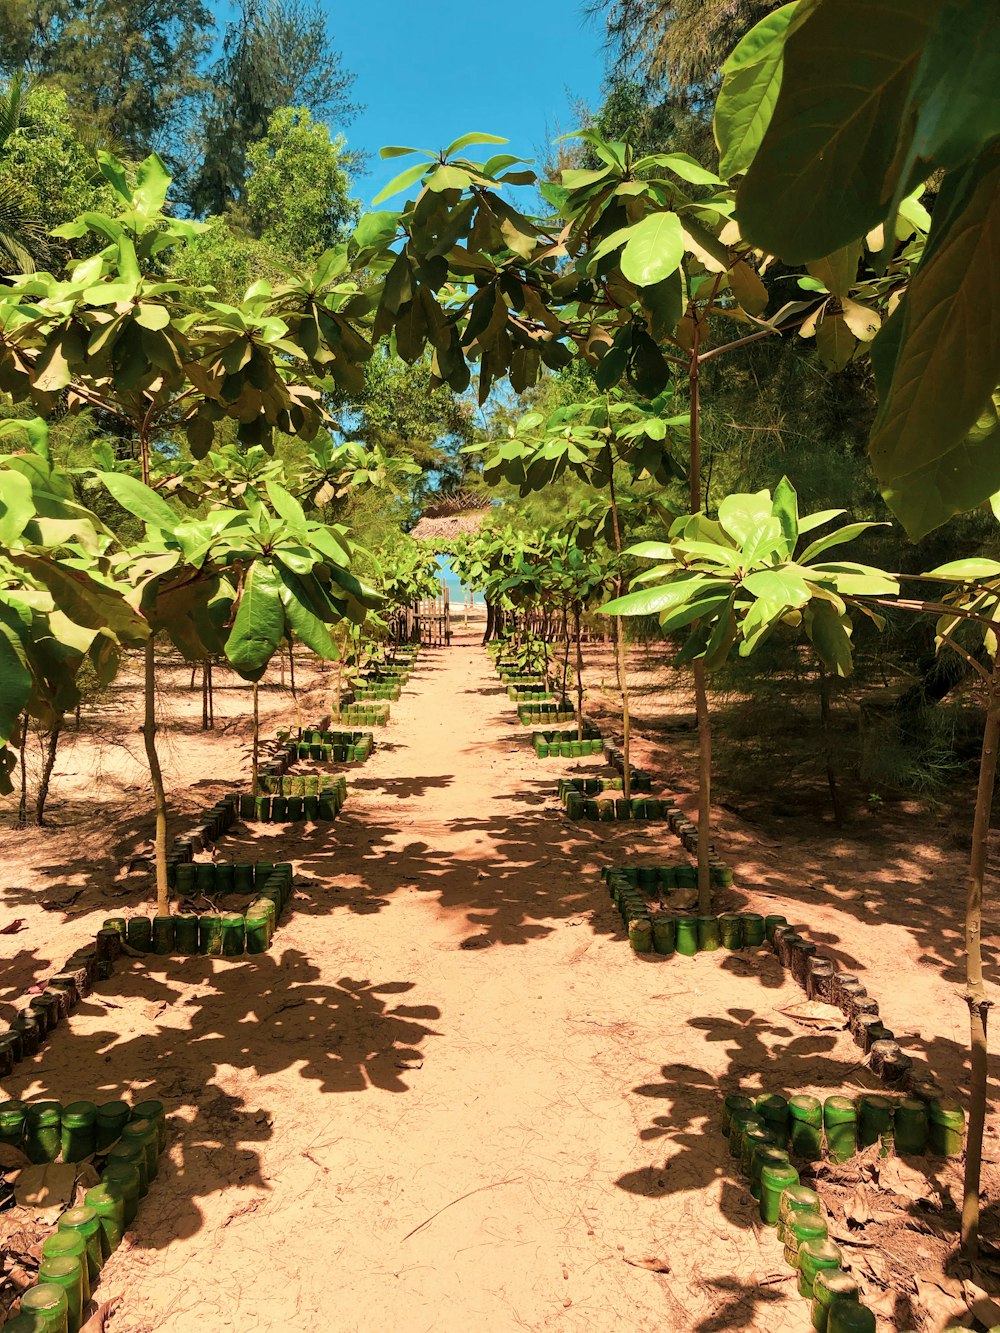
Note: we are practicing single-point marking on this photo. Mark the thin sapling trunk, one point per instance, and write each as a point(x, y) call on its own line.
point(979, 1004)
point(621, 663)
point(48, 765)
point(22, 807)
point(256, 738)
point(156, 776)
point(701, 707)
point(578, 636)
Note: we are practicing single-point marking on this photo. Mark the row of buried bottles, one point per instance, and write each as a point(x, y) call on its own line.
point(291, 784)
point(215, 934)
point(364, 715)
point(130, 1139)
point(567, 744)
point(664, 879)
point(804, 1125)
point(280, 809)
point(668, 933)
point(760, 1133)
point(558, 710)
point(342, 747)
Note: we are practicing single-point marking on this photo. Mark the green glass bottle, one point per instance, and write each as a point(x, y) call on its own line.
point(687, 936)
point(731, 930)
point(12, 1115)
point(135, 1155)
point(164, 934)
point(875, 1121)
point(79, 1131)
point(640, 934)
point(814, 1257)
point(125, 1176)
point(774, 1108)
point(144, 1133)
point(798, 1199)
point(850, 1317)
point(42, 1131)
point(112, 1117)
point(840, 1119)
point(830, 1287)
point(140, 933)
point(70, 1243)
point(154, 1112)
point(735, 1101)
point(664, 934)
point(85, 1222)
point(67, 1271)
point(806, 1126)
point(48, 1304)
point(764, 1155)
point(912, 1127)
point(753, 930)
point(946, 1127)
point(774, 1180)
point(802, 1226)
point(709, 934)
point(108, 1203)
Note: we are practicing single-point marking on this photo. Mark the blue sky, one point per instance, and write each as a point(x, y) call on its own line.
point(431, 71)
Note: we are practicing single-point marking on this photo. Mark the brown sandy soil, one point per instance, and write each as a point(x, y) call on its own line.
point(450, 1097)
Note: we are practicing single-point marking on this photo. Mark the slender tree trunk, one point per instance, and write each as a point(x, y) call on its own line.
point(700, 676)
point(156, 776)
point(46, 778)
point(979, 1005)
point(211, 693)
point(194, 668)
point(621, 662)
point(204, 695)
point(565, 676)
point(291, 665)
point(577, 635)
point(256, 738)
point(22, 808)
point(831, 772)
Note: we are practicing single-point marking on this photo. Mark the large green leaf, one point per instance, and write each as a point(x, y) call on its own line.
point(954, 102)
point(139, 500)
point(830, 636)
point(15, 678)
point(651, 601)
point(302, 620)
point(937, 361)
point(286, 505)
point(402, 182)
point(16, 506)
point(742, 515)
point(838, 538)
point(785, 508)
point(654, 249)
point(84, 599)
point(259, 626)
point(779, 587)
point(751, 80)
point(967, 571)
point(825, 174)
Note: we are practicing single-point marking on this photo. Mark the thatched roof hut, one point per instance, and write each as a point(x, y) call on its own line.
point(443, 527)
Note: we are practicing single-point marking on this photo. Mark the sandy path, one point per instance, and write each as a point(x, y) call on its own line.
point(450, 1098)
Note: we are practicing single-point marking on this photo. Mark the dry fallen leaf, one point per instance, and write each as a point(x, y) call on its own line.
point(11, 1158)
point(97, 1321)
point(46, 1190)
point(816, 1014)
point(942, 1298)
point(899, 1177)
point(857, 1209)
point(651, 1262)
